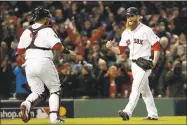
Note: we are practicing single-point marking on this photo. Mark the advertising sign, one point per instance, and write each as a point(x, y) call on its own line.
point(11, 110)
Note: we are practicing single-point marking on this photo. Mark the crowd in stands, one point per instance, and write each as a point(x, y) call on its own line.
point(85, 27)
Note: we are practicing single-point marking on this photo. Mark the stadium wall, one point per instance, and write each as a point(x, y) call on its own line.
point(74, 108)
point(109, 107)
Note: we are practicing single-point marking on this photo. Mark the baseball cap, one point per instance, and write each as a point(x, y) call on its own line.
point(132, 11)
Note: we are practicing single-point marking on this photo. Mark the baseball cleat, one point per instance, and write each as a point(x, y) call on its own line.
point(24, 114)
point(150, 118)
point(60, 121)
point(123, 115)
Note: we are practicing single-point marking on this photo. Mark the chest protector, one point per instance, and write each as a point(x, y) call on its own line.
point(34, 36)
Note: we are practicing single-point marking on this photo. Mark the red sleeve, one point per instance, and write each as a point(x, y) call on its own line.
point(80, 46)
point(57, 46)
point(156, 46)
point(71, 34)
point(21, 51)
point(98, 34)
point(122, 49)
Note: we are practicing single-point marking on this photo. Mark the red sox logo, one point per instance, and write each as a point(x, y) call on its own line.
point(128, 42)
point(137, 41)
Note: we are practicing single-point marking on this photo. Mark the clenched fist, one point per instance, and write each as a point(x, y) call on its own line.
point(109, 44)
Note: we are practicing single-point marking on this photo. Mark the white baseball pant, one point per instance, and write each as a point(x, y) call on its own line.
point(39, 72)
point(141, 85)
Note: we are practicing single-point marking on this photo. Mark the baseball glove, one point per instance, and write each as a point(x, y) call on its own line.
point(144, 64)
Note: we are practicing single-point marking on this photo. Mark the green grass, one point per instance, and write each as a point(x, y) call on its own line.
point(133, 120)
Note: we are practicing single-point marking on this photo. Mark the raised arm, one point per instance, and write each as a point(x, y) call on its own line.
point(117, 50)
point(121, 48)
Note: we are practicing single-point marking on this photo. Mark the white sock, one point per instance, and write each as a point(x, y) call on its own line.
point(54, 106)
point(32, 97)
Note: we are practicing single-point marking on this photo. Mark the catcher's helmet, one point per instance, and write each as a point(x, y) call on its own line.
point(39, 13)
point(132, 11)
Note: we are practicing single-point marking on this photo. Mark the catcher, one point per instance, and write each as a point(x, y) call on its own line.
point(38, 43)
point(138, 38)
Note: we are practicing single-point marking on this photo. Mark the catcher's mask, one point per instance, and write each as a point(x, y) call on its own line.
point(39, 13)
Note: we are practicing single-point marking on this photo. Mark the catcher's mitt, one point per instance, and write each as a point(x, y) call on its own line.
point(144, 64)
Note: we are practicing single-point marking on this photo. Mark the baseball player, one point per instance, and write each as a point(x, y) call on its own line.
point(139, 38)
point(37, 43)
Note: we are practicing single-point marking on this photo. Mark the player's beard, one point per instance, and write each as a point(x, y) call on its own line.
point(47, 22)
point(132, 25)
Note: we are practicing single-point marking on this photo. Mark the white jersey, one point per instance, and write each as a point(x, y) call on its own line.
point(46, 38)
point(139, 41)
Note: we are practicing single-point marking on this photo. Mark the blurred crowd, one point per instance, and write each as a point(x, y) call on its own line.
point(85, 27)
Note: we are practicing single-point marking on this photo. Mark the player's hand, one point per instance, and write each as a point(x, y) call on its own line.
point(20, 60)
point(109, 45)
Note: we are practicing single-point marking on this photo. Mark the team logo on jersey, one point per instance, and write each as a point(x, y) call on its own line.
point(138, 41)
point(128, 42)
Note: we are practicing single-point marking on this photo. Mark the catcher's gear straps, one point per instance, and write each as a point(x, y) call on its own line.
point(41, 97)
point(34, 35)
point(135, 60)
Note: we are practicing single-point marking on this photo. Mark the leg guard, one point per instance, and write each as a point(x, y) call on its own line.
point(58, 94)
point(54, 104)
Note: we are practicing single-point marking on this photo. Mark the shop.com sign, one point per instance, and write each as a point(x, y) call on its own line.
point(40, 112)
